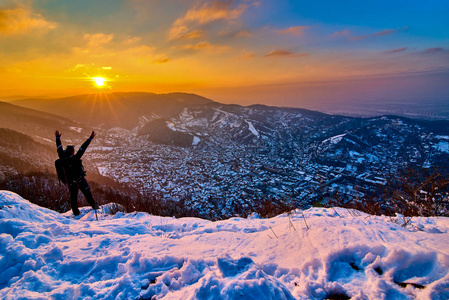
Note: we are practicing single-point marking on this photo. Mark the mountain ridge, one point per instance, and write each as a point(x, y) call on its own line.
point(124, 110)
point(37, 123)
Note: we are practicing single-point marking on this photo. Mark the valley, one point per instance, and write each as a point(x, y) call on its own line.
point(222, 159)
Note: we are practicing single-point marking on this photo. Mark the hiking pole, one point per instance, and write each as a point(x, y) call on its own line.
point(95, 209)
point(60, 200)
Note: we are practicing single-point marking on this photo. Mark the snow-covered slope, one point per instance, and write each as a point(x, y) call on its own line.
point(46, 255)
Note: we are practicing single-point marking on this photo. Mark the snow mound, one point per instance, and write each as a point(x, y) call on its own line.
point(47, 255)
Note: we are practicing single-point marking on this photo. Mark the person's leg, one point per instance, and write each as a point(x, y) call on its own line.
point(85, 189)
point(73, 188)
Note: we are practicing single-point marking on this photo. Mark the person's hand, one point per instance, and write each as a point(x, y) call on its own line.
point(92, 135)
point(57, 133)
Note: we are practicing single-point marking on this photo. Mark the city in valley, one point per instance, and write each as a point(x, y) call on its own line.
point(226, 160)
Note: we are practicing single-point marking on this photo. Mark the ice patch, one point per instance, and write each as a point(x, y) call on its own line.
point(442, 137)
point(77, 129)
point(334, 140)
point(196, 141)
point(252, 128)
point(443, 146)
point(103, 171)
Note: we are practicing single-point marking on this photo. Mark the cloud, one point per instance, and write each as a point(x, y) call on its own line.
point(385, 32)
point(283, 53)
point(161, 60)
point(341, 33)
point(204, 46)
point(132, 40)
point(216, 10)
point(380, 33)
point(395, 50)
point(80, 67)
point(248, 55)
point(207, 13)
point(22, 20)
point(110, 51)
point(279, 52)
point(243, 33)
point(98, 39)
point(435, 50)
point(195, 34)
point(235, 34)
point(298, 30)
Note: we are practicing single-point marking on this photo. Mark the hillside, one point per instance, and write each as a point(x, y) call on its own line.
point(37, 124)
point(20, 153)
point(331, 254)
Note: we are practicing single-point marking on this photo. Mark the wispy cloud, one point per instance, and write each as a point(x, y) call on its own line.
point(235, 34)
point(161, 59)
point(98, 39)
point(342, 33)
point(204, 46)
point(284, 53)
point(132, 40)
point(380, 33)
point(396, 50)
point(207, 13)
point(247, 55)
point(385, 32)
point(112, 51)
point(435, 50)
point(279, 52)
point(195, 34)
point(23, 20)
point(78, 67)
point(297, 30)
point(242, 33)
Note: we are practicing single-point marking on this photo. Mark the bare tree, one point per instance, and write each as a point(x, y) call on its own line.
point(420, 192)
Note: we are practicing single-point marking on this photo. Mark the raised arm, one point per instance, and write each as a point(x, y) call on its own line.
point(59, 148)
point(84, 146)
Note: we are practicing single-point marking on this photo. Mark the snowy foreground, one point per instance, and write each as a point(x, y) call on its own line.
point(46, 255)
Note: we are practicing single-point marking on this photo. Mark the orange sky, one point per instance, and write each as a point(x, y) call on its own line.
point(234, 51)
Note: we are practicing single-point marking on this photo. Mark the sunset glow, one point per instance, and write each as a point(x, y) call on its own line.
point(99, 81)
point(243, 51)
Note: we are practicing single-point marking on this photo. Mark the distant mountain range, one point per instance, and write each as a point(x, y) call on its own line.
point(182, 119)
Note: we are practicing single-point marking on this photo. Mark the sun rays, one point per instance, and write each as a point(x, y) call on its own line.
point(100, 82)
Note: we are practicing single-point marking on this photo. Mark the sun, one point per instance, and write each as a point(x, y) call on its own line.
point(99, 81)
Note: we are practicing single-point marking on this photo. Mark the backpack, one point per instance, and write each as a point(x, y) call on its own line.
point(60, 171)
point(69, 170)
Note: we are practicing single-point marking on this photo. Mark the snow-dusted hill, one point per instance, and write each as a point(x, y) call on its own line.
point(220, 124)
point(46, 255)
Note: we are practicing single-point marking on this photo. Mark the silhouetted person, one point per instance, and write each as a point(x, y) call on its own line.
point(74, 171)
